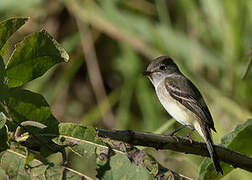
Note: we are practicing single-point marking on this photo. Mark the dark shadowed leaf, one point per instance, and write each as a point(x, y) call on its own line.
point(238, 140)
point(3, 131)
point(25, 105)
point(8, 27)
point(2, 70)
point(3, 139)
point(33, 57)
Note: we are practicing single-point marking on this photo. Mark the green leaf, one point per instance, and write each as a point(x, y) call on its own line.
point(4, 50)
point(80, 132)
point(3, 176)
point(3, 119)
point(13, 164)
point(33, 57)
point(25, 105)
point(102, 158)
point(238, 140)
point(87, 152)
point(82, 152)
point(3, 87)
point(29, 158)
point(87, 155)
point(8, 27)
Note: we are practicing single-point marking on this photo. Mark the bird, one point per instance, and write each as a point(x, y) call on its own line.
point(183, 101)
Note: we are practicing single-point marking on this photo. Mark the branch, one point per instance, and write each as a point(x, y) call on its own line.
point(178, 144)
point(94, 72)
point(247, 68)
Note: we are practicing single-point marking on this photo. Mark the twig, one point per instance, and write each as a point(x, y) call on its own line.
point(248, 66)
point(88, 13)
point(94, 71)
point(178, 144)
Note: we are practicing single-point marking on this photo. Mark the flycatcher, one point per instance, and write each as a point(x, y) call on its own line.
point(182, 100)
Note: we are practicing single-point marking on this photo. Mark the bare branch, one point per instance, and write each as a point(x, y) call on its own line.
point(94, 71)
point(178, 144)
point(248, 66)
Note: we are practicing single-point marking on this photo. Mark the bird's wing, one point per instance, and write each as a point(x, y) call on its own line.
point(183, 90)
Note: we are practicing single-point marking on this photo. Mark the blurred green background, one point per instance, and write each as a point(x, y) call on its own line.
point(110, 42)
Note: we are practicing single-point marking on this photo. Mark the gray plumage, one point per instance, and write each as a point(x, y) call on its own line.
point(182, 100)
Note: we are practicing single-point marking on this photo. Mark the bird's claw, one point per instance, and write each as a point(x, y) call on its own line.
point(189, 139)
point(175, 137)
point(172, 135)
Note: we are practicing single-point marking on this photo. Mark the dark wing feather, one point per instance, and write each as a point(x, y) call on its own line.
point(183, 90)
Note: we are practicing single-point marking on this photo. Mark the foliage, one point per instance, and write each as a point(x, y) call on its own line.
point(35, 145)
point(209, 39)
point(237, 140)
point(26, 64)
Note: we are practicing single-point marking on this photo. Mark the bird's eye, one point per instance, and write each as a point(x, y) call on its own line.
point(162, 67)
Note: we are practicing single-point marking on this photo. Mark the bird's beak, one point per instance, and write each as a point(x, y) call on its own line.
point(147, 73)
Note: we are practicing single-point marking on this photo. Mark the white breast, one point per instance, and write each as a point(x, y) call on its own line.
point(174, 108)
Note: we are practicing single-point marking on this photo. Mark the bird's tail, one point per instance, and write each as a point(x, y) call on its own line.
point(211, 150)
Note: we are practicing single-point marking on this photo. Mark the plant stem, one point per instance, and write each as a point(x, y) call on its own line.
point(179, 144)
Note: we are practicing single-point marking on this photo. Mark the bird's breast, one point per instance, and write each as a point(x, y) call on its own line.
point(178, 111)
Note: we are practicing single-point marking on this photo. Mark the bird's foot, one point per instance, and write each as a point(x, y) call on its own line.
point(177, 130)
point(189, 134)
point(172, 135)
point(189, 139)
